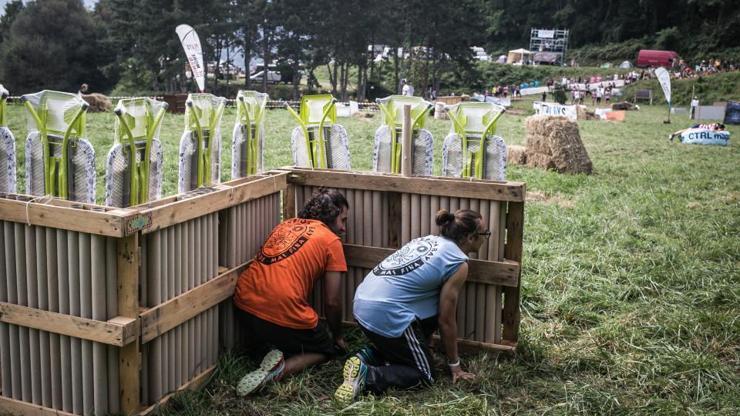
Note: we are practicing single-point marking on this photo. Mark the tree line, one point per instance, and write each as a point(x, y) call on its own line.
point(131, 46)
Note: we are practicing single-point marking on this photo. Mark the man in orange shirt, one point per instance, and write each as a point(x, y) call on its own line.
point(272, 293)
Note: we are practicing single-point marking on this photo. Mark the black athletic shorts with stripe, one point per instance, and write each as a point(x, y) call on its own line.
point(405, 361)
point(264, 335)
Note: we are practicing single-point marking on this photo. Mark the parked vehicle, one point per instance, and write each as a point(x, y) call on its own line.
point(273, 76)
point(655, 58)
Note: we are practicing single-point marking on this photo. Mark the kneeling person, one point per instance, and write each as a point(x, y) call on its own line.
point(272, 293)
point(403, 300)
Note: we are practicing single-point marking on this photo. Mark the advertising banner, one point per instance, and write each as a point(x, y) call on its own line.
point(191, 45)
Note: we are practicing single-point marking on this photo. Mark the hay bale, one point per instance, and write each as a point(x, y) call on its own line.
point(555, 143)
point(585, 114)
point(440, 112)
point(98, 102)
point(540, 160)
point(516, 155)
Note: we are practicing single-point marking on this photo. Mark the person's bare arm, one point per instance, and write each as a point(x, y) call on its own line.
point(448, 321)
point(333, 305)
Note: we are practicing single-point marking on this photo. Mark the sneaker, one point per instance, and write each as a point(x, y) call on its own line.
point(354, 373)
point(369, 355)
point(271, 368)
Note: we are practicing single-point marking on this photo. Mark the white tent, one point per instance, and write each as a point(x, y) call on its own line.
point(520, 55)
point(625, 65)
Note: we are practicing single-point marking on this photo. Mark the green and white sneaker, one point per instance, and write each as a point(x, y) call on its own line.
point(271, 368)
point(354, 373)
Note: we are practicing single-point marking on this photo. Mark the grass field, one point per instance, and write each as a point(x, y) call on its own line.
point(631, 283)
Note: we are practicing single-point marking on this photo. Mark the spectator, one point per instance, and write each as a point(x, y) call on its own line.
point(407, 88)
point(694, 104)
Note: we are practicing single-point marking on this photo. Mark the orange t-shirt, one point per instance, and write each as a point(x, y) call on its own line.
point(276, 285)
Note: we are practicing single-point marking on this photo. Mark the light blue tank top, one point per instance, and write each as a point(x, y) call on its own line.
point(406, 285)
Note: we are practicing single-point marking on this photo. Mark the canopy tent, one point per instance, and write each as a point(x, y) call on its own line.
point(519, 56)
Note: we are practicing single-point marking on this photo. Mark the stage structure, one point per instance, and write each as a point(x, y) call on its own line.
point(549, 45)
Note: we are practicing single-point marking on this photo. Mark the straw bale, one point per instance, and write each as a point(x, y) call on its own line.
point(516, 155)
point(98, 102)
point(540, 160)
point(440, 112)
point(585, 114)
point(556, 142)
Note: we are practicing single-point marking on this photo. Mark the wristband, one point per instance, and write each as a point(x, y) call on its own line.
point(455, 364)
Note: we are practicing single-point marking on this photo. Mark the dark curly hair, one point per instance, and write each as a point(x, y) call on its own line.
point(325, 206)
point(459, 225)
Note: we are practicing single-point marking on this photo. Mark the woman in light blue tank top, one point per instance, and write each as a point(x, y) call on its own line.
point(404, 299)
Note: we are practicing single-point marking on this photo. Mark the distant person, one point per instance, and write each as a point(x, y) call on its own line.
point(272, 293)
point(694, 105)
point(710, 126)
point(407, 89)
point(404, 299)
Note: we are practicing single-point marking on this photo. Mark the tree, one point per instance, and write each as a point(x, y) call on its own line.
point(12, 8)
point(51, 44)
point(247, 18)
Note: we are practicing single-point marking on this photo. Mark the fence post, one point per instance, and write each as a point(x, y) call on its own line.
point(513, 251)
point(407, 146)
point(128, 306)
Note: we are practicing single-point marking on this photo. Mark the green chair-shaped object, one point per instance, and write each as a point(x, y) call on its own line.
point(59, 160)
point(248, 139)
point(472, 150)
point(200, 144)
point(134, 167)
point(388, 140)
point(318, 142)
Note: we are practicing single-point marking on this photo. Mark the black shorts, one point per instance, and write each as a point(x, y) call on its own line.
point(267, 335)
point(410, 349)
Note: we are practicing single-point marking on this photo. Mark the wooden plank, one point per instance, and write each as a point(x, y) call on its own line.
point(9, 406)
point(74, 217)
point(119, 331)
point(468, 188)
point(171, 314)
point(194, 384)
point(129, 359)
point(407, 147)
point(289, 204)
point(513, 251)
point(174, 198)
point(473, 346)
point(220, 197)
point(500, 273)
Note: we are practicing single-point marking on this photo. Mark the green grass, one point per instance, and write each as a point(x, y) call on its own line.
point(718, 87)
point(631, 289)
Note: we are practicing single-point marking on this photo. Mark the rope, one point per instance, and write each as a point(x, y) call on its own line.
point(44, 199)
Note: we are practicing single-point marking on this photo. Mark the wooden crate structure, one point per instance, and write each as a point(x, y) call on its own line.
point(108, 310)
point(386, 211)
point(113, 310)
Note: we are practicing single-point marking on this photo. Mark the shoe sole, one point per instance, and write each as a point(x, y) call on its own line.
point(273, 361)
point(348, 390)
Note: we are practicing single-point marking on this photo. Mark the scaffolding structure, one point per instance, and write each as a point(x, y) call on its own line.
point(549, 45)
